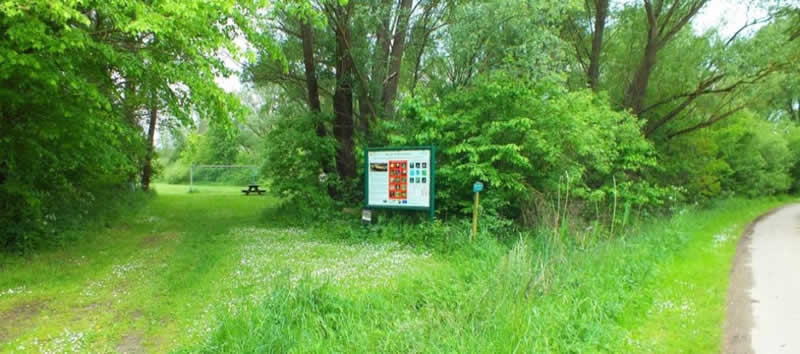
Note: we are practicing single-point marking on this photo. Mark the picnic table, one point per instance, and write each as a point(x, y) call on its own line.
point(253, 188)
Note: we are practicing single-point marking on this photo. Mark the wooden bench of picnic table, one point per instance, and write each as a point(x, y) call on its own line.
point(253, 188)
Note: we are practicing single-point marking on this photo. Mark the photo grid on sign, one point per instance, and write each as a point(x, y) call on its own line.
point(398, 179)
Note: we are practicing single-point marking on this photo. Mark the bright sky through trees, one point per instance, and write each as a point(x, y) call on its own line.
point(728, 15)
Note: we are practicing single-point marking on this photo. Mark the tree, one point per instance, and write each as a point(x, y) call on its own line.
point(85, 84)
point(675, 80)
point(589, 58)
point(347, 64)
point(343, 122)
point(664, 20)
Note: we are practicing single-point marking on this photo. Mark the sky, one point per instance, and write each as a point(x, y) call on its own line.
point(729, 15)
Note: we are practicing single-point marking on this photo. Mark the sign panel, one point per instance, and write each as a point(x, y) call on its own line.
point(399, 178)
point(477, 187)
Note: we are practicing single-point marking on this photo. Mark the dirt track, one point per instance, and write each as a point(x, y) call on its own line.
point(763, 314)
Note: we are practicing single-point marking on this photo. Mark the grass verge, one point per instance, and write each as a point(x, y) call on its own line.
point(661, 288)
point(684, 309)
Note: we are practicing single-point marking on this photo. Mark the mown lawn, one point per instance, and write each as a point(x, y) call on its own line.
point(214, 271)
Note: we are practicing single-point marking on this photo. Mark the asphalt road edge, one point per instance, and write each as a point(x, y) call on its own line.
point(738, 303)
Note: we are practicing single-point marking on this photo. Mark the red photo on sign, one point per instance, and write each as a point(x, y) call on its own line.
point(398, 179)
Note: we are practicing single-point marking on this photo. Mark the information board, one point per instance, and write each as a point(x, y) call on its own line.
point(400, 177)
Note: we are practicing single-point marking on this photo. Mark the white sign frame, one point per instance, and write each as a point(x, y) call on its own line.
point(401, 177)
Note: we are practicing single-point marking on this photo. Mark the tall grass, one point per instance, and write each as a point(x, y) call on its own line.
point(539, 293)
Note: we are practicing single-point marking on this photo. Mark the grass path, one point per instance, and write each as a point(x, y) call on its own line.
point(153, 281)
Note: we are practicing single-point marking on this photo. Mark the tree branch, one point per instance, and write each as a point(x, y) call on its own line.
point(704, 89)
point(707, 123)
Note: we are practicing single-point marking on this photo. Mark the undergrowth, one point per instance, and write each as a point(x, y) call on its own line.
point(69, 219)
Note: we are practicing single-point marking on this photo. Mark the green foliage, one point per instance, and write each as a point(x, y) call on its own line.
point(743, 155)
point(522, 140)
point(295, 158)
point(55, 218)
point(75, 77)
point(758, 155)
point(518, 37)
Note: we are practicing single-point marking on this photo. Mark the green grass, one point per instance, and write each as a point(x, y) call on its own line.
point(660, 288)
point(685, 304)
point(213, 271)
point(156, 279)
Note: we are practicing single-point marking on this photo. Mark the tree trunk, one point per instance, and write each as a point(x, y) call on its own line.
point(380, 54)
point(147, 169)
point(396, 59)
point(635, 94)
point(383, 44)
point(311, 76)
point(662, 26)
point(364, 114)
point(601, 14)
point(312, 86)
point(343, 125)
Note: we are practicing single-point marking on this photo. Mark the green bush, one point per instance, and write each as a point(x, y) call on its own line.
point(217, 146)
point(295, 158)
point(757, 154)
point(50, 177)
point(36, 219)
point(176, 172)
point(528, 142)
point(743, 155)
point(794, 147)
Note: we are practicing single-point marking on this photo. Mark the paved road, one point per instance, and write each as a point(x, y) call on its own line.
point(764, 294)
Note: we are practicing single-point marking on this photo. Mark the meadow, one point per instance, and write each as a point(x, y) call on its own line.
point(213, 271)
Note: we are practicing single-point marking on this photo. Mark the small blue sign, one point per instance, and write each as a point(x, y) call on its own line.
point(477, 187)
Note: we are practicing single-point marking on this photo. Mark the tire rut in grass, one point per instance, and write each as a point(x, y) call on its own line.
point(131, 343)
point(19, 317)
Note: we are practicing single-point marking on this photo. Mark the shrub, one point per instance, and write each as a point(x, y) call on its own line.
point(742, 155)
point(758, 156)
point(295, 159)
point(526, 142)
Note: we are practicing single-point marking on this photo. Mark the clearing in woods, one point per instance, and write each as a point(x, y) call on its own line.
point(154, 281)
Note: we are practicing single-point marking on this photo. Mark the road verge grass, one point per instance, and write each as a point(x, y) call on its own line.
point(684, 309)
point(659, 288)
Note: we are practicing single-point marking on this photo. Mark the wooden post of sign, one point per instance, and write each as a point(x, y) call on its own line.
point(475, 216)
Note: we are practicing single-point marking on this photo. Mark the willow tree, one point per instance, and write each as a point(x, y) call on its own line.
point(345, 63)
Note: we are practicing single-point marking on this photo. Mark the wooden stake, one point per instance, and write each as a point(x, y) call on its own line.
point(475, 216)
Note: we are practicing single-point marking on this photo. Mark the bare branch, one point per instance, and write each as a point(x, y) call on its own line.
point(745, 26)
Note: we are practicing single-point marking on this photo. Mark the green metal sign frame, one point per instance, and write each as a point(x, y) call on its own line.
point(432, 206)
